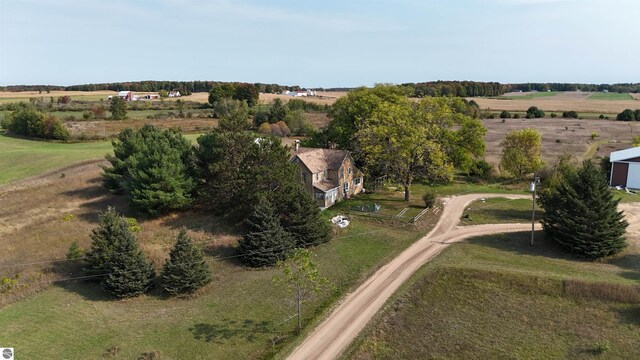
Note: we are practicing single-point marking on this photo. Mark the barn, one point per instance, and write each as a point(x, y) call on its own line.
point(126, 95)
point(625, 168)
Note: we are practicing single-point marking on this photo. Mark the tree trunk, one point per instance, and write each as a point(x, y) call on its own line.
point(407, 192)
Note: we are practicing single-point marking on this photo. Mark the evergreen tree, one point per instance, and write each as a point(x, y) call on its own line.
point(186, 270)
point(129, 272)
point(118, 108)
point(266, 242)
point(302, 219)
point(111, 230)
point(582, 215)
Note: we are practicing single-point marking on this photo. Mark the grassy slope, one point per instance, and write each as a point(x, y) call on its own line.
point(498, 210)
point(609, 96)
point(22, 158)
point(448, 309)
point(236, 317)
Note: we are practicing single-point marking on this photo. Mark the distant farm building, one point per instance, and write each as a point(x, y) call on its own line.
point(625, 168)
point(126, 95)
point(174, 94)
point(150, 96)
point(300, 93)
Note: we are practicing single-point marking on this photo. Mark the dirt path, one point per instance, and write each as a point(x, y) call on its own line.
point(336, 332)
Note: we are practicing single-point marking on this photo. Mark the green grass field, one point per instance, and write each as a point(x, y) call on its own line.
point(23, 158)
point(499, 210)
point(497, 297)
point(528, 96)
point(609, 96)
point(241, 315)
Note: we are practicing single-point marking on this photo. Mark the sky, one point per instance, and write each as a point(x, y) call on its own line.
point(321, 43)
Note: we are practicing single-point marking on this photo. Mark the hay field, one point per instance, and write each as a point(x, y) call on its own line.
point(11, 96)
point(323, 97)
point(563, 101)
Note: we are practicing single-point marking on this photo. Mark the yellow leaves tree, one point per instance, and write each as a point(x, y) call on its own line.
point(521, 152)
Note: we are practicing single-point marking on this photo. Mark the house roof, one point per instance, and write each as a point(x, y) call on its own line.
point(318, 160)
point(325, 185)
point(625, 154)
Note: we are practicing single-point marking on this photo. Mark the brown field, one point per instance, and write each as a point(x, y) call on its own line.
point(324, 97)
point(562, 136)
point(563, 101)
point(29, 94)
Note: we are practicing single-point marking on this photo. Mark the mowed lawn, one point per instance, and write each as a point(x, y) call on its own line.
point(610, 96)
point(23, 158)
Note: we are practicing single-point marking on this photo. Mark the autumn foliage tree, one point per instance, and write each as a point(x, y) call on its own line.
point(521, 152)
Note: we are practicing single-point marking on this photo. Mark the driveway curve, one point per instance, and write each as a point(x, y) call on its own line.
point(337, 331)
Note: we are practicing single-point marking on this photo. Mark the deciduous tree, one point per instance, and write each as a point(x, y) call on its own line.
point(521, 152)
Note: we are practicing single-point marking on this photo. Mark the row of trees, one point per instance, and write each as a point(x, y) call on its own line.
point(629, 115)
point(619, 88)
point(185, 87)
point(116, 261)
point(237, 91)
point(454, 88)
point(28, 121)
point(392, 136)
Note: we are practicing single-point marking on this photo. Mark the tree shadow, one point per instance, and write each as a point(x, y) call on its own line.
point(89, 290)
point(229, 329)
point(99, 199)
point(629, 314)
point(519, 243)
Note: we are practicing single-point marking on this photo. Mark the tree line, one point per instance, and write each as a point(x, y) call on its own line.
point(185, 87)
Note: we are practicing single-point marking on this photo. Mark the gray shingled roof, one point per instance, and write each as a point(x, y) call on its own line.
point(318, 160)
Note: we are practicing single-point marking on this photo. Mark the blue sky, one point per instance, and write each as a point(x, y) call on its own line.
point(326, 43)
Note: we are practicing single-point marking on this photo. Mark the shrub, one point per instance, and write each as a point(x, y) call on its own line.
point(601, 116)
point(28, 121)
point(516, 116)
point(594, 135)
point(570, 115)
point(534, 112)
point(492, 116)
point(626, 115)
point(134, 227)
point(429, 199)
point(74, 252)
point(481, 168)
point(284, 129)
point(554, 115)
point(7, 284)
point(276, 130)
point(265, 128)
point(505, 114)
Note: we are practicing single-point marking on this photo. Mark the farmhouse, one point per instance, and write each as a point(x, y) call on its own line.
point(126, 95)
point(625, 168)
point(328, 175)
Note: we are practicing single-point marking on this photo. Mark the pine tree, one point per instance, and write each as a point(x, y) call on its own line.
point(129, 272)
point(111, 230)
point(303, 221)
point(186, 270)
point(266, 242)
point(583, 217)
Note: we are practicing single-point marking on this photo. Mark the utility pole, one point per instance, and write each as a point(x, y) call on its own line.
point(532, 188)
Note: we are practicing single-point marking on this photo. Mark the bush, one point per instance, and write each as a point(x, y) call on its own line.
point(553, 115)
point(481, 168)
point(28, 121)
point(534, 112)
point(516, 116)
point(264, 129)
point(570, 115)
point(626, 115)
point(594, 135)
point(601, 116)
point(429, 199)
point(505, 114)
point(74, 252)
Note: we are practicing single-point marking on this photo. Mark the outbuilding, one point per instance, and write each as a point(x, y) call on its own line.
point(625, 168)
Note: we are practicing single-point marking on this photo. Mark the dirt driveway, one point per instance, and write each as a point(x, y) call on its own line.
point(334, 334)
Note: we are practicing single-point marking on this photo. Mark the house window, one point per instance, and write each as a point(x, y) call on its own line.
point(346, 188)
point(356, 181)
point(349, 171)
point(319, 196)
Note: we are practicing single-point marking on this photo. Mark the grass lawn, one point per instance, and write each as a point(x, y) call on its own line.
point(496, 297)
point(23, 158)
point(498, 211)
point(241, 315)
point(610, 96)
